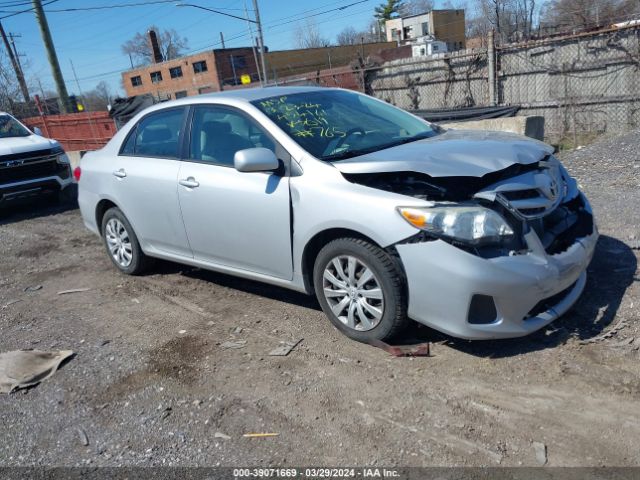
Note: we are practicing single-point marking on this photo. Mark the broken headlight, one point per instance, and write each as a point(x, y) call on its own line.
point(469, 224)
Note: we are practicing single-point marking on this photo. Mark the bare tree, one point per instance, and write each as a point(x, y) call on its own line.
point(416, 7)
point(171, 44)
point(307, 35)
point(7, 84)
point(11, 98)
point(374, 33)
point(349, 36)
point(496, 15)
point(98, 98)
point(562, 15)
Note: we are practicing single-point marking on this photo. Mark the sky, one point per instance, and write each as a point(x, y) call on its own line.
point(91, 39)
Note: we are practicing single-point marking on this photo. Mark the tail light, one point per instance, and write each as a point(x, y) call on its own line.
point(76, 173)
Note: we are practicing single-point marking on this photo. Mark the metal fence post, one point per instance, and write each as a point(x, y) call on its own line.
point(491, 65)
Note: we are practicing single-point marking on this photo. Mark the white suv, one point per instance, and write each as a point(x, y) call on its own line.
point(31, 165)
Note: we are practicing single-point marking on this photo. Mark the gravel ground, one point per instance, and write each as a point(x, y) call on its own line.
point(153, 384)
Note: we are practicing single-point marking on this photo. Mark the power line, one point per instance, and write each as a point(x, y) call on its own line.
point(273, 24)
point(13, 14)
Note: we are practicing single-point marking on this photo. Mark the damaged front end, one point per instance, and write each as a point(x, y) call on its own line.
point(496, 256)
point(538, 197)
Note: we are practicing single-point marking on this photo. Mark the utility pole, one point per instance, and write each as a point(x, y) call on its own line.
point(13, 45)
point(53, 57)
point(491, 65)
point(260, 40)
point(16, 66)
point(246, 19)
point(222, 40)
point(253, 46)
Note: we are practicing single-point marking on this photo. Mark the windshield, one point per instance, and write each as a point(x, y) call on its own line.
point(337, 124)
point(10, 127)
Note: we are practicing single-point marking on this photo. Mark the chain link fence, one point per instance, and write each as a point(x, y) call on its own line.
point(583, 85)
point(446, 81)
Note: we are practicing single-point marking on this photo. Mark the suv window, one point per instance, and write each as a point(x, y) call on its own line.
point(156, 135)
point(10, 127)
point(217, 133)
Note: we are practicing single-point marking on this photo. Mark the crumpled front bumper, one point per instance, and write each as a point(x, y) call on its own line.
point(443, 279)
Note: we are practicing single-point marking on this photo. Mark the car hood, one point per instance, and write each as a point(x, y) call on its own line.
point(31, 143)
point(453, 153)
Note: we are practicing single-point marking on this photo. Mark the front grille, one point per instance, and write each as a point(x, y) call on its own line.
point(30, 156)
point(18, 167)
point(534, 200)
point(533, 194)
point(550, 302)
point(28, 171)
point(564, 226)
point(520, 194)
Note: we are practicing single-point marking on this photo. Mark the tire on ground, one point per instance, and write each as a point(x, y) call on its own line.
point(391, 279)
point(139, 262)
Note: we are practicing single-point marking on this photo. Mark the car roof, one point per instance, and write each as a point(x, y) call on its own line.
point(240, 95)
point(252, 94)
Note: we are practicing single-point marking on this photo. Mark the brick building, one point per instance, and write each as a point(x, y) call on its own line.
point(447, 26)
point(282, 63)
point(216, 70)
point(204, 72)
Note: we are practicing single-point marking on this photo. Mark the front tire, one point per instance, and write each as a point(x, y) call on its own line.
point(122, 244)
point(361, 288)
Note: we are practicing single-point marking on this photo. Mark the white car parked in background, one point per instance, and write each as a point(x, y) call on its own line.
point(31, 165)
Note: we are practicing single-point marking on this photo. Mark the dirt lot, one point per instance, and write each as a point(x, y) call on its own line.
point(152, 384)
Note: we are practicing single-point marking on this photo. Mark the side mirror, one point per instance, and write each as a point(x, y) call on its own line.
point(37, 131)
point(255, 160)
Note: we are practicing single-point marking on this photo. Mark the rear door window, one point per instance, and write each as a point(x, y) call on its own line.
point(156, 135)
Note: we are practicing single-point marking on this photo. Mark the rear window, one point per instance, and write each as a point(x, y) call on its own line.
point(156, 135)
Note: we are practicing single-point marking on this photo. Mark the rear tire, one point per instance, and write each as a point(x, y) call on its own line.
point(122, 243)
point(361, 288)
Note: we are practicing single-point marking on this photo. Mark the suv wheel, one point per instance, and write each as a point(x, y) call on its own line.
point(122, 244)
point(361, 289)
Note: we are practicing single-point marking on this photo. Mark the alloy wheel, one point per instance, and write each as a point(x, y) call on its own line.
point(118, 242)
point(353, 292)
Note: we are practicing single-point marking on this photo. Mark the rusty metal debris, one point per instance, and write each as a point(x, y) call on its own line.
point(420, 350)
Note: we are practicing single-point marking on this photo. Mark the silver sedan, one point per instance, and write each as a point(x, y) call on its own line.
point(384, 216)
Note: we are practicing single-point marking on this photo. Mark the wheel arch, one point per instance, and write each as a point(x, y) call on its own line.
point(315, 244)
point(101, 208)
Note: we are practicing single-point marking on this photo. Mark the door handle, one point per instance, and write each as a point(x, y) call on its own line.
point(120, 173)
point(189, 182)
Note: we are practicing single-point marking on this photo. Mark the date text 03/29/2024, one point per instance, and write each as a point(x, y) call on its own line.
point(314, 473)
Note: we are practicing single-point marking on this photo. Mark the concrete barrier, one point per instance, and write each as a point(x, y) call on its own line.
point(532, 126)
point(74, 158)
